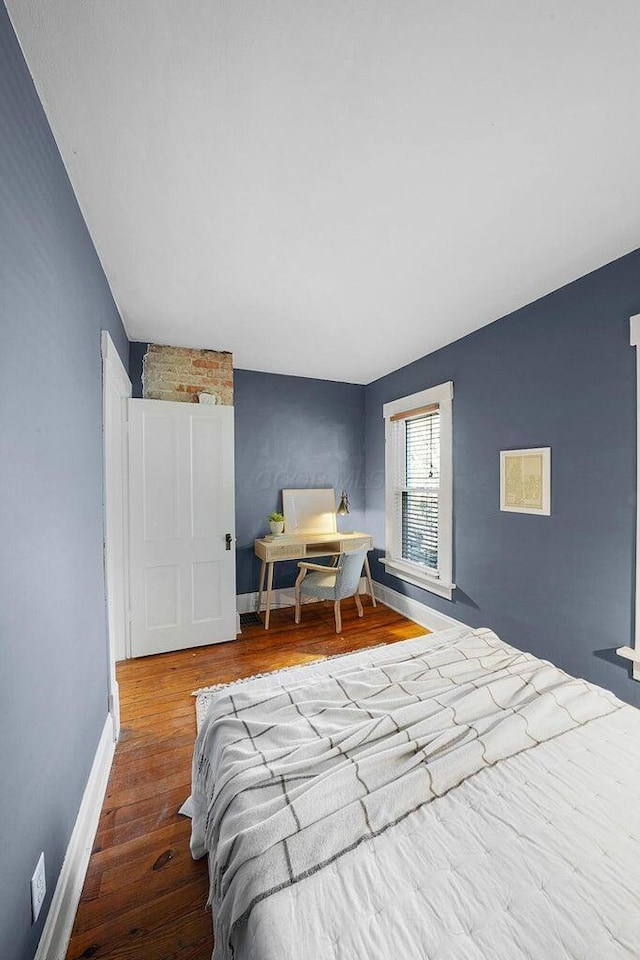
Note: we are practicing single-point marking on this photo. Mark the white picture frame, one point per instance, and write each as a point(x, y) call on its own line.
point(525, 481)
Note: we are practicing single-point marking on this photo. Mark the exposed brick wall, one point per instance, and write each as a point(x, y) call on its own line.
point(178, 373)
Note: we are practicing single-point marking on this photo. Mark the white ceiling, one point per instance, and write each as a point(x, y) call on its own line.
point(335, 188)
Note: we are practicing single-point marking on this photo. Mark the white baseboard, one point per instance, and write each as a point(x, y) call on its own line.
point(283, 597)
point(418, 612)
point(59, 923)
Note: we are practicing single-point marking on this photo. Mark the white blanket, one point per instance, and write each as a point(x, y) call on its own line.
point(291, 776)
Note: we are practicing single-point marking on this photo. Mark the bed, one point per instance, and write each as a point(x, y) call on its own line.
point(443, 798)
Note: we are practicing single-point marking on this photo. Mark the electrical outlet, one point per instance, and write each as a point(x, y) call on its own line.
point(38, 887)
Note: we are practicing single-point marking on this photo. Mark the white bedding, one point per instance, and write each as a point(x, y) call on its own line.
point(536, 857)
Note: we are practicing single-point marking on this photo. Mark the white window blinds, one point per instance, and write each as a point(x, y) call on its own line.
point(417, 441)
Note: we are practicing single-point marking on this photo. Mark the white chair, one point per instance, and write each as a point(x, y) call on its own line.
point(331, 583)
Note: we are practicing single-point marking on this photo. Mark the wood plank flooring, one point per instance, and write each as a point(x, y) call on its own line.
point(144, 897)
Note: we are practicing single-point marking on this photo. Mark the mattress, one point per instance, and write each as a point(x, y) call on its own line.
point(535, 855)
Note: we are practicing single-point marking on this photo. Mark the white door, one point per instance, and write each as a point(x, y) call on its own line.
point(182, 525)
point(116, 392)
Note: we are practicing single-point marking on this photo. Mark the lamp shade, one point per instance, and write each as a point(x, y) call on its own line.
point(343, 506)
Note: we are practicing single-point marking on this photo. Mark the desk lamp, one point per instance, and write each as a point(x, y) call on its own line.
point(343, 506)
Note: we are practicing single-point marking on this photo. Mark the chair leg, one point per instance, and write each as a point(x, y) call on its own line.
point(338, 616)
point(356, 597)
point(367, 570)
point(297, 595)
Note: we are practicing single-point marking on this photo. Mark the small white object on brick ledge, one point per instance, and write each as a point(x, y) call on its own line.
point(209, 398)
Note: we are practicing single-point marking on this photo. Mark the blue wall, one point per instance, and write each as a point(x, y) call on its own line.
point(559, 373)
point(53, 677)
point(292, 432)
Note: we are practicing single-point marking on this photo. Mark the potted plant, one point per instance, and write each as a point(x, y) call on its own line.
point(276, 523)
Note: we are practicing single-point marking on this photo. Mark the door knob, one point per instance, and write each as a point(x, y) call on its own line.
point(228, 538)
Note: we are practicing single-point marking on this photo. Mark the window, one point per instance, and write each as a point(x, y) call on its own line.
point(418, 479)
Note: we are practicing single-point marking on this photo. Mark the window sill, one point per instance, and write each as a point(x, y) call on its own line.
point(422, 580)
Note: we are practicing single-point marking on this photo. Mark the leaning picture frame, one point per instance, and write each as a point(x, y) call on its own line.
point(525, 481)
point(309, 510)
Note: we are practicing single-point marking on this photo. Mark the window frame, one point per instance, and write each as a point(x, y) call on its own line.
point(439, 582)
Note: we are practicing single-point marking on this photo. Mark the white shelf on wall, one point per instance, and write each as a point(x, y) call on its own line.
point(629, 654)
point(634, 656)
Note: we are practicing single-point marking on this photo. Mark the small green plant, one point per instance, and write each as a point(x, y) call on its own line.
point(275, 517)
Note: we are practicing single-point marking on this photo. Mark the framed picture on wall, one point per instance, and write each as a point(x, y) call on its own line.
point(525, 481)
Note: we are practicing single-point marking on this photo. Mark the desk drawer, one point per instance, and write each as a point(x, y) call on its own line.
point(287, 551)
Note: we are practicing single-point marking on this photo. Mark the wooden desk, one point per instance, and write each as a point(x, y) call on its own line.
point(300, 546)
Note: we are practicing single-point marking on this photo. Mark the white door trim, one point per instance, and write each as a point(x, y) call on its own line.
point(115, 380)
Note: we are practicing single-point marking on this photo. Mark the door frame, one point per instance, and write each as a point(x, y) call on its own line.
point(115, 379)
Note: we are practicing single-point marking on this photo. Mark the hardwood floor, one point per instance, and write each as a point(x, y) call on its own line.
point(144, 897)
